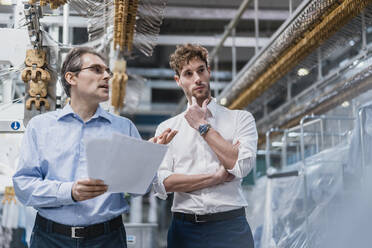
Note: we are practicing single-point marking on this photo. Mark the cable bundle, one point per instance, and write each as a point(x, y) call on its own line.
point(129, 23)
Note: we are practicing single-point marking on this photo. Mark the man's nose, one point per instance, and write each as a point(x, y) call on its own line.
point(196, 78)
point(106, 75)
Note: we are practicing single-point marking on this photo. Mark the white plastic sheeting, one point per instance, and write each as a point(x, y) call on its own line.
point(328, 202)
point(12, 215)
point(255, 209)
point(352, 227)
point(362, 133)
point(294, 219)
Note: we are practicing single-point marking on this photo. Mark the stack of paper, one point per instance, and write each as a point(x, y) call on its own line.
point(124, 163)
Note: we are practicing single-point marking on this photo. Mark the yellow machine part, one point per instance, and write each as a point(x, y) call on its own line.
point(124, 23)
point(119, 83)
point(54, 4)
point(9, 195)
point(37, 79)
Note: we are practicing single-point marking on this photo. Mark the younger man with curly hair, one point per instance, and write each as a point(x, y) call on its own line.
point(214, 149)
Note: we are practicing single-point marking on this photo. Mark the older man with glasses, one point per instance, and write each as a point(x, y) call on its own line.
point(73, 210)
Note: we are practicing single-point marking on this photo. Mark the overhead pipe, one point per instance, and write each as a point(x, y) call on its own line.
point(283, 53)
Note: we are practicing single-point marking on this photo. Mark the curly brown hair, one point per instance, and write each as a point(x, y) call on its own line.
point(186, 52)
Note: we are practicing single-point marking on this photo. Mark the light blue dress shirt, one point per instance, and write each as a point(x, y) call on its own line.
point(53, 157)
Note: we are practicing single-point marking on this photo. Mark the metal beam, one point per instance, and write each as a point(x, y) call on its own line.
point(171, 40)
point(184, 13)
point(229, 27)
point(165, 40)
point(168, 73)
point(169, 84)
point(222, 14)
point(73, 21)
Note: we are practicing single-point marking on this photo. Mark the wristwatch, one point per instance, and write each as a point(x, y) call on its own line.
point(203, 129)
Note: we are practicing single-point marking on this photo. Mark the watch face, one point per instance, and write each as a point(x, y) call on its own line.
point(203, 129)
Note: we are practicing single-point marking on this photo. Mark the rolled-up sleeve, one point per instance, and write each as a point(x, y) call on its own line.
point(246, 134)
point(165, 170)
point(31, 187)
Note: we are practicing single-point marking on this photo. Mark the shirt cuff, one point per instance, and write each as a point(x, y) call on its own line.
point(159, 187)
point(244, 163)
point(64, 193)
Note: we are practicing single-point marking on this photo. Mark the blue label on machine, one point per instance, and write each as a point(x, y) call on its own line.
point(15, 125)
point(131, 239)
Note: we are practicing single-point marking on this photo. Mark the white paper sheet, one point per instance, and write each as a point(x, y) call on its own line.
point(124, 163)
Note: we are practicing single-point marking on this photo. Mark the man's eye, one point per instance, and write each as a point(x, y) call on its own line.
point(97, 69)
point(201, 70)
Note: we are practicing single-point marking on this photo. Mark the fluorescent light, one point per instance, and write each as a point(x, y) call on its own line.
point(293, 134)
point(360, 64)
point(345, 104)
point(277, 144)
point(5, 2)
point(302, 72)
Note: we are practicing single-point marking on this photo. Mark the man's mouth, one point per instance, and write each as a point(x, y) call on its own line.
point(199, 88)
point(105, 86)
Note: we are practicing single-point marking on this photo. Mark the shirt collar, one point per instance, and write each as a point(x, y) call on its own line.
point(212, 106)
point(100, 113)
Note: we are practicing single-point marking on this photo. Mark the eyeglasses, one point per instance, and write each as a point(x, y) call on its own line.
point(98, 69)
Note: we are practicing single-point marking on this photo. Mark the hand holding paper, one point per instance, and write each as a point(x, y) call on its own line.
point(124, 164)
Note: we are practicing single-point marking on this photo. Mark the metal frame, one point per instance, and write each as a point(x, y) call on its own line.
point(321, 118)
point(268, 143)
point(320, 145)
point(361, 118)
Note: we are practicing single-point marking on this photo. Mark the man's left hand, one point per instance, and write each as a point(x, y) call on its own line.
point(165, 137)
point(197, 115)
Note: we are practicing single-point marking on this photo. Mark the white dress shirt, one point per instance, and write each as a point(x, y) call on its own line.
point(190, 154)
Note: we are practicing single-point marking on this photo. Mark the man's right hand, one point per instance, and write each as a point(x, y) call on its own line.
point(222, 176)
point(165, 137)
point(85, 189)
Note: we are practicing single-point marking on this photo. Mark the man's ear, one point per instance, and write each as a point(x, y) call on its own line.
point(177, 79)
point(69, 76)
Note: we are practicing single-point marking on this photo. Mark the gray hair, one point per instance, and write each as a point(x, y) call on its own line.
point(73, 63)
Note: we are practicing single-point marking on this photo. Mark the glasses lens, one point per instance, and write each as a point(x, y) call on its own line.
point(98, 69)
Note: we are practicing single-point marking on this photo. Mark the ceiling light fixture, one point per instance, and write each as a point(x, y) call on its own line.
point(277, 144)
point(302, 72)
point(223, 101)
point(345, 104)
